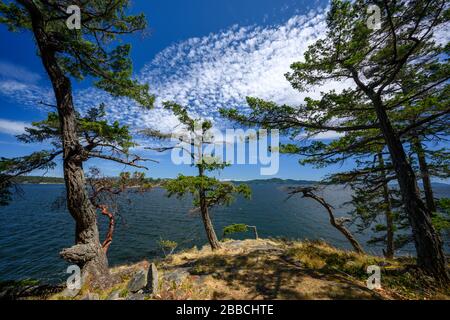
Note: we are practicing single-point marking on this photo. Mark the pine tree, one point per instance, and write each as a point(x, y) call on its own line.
point(98, 139)
point(207, 191)
point(68, 54)
point(374, 60)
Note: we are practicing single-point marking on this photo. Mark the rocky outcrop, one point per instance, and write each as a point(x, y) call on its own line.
point(138, 282)
point(152, 280)
point(176, 276)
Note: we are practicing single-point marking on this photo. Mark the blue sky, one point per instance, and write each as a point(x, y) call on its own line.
point(204, 54)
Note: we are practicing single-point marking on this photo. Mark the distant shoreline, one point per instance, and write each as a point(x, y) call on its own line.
point(22, 183)
point(23, 180)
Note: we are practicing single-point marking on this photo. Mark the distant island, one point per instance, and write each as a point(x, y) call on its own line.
point(276, 181)
point(38, 180)
point(60, 180)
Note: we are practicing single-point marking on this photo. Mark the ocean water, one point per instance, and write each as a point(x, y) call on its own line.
point(33, 230)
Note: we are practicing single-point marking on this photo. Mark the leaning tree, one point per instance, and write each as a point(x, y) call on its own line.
point(373, 59)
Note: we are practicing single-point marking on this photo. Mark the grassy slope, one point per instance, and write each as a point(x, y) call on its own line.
point(274, 269)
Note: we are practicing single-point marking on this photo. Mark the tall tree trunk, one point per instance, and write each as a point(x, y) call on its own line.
point(430, 255)
point(425, 174)
point(389, 253)
point(87, 251)
point(210, 233)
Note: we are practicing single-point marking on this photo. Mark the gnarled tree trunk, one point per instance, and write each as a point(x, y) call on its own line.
point(430, 255)
point(87, 251)
point(337, 223)
point(109, 235)
point(308, 192)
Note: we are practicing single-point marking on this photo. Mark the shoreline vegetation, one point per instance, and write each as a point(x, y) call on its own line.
point(249, 269)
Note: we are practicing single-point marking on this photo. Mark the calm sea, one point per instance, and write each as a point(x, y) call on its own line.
point(33, 230)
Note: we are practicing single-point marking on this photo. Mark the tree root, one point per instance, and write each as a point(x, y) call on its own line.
point(79, 253)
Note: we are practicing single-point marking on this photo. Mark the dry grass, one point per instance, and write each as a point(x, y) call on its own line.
point(275, 269)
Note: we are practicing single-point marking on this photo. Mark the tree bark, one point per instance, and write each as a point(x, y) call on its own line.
point(210, 233)
point(340, 226)
point(389, 253)
point(337, 223)
point(109, 236)
point(87, 251)
point(425, 174)
point(430, 255)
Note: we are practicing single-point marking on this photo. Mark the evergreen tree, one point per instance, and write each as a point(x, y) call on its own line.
point(98, 139)
point(374, 60)
point(66, 54)
point(207, 191)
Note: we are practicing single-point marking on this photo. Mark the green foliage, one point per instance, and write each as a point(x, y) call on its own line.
point(105, 191)
point(11, 167)
point(202, 187)
point(216, 192)
point(39, 159)
point(235, 228)
point(88, 52)
point(99, 139)
point(92, 128)
point(167, 246)
point(441, 222)
point(381, 64)
point(441, 219)
point(388, 80)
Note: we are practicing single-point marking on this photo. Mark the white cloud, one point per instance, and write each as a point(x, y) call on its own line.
point(12, 71)
point(325, 135)
point(206, 73)
point(219, 70)
point(26, 94)
point(23, 87)
point(12, 127)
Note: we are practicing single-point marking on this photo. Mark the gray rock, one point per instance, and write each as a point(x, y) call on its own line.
point(152, 280)
point(115, 295)
point(91, 296)
point(136, 296)
point(138, 282)
point(176, 276)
